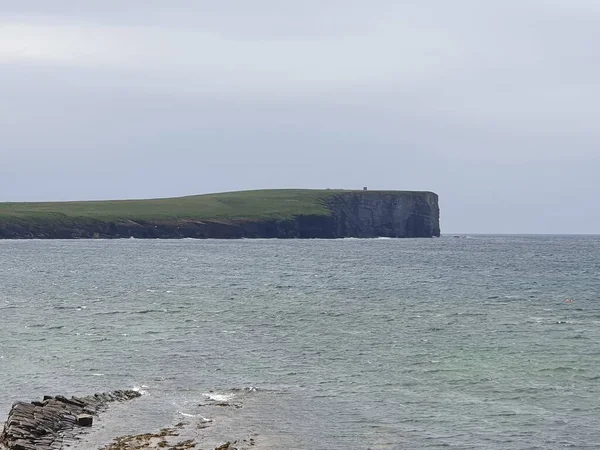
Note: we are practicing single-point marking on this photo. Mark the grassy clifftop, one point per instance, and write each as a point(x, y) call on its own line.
point(229, 205)
point(243, 205)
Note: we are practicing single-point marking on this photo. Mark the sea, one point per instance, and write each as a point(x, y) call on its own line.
point(466, 341)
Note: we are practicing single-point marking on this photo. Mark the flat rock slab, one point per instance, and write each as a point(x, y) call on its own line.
point(44, 425)
point(85, 420)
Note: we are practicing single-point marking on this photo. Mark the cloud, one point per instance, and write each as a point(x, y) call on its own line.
point(164, 98)
point(207, 61)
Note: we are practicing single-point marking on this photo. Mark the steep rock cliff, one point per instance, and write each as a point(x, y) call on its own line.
point(389, 214)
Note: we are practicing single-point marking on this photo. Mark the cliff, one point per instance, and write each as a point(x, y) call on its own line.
point(386, 214)
point(248, 214)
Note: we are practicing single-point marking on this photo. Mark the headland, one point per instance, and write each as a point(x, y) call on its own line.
point(279, 213)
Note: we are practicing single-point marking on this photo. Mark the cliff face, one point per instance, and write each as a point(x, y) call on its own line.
point(300, 227)
point(389, 214)
point(353, 214)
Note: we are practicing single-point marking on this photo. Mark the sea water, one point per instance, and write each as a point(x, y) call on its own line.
point(488, 342)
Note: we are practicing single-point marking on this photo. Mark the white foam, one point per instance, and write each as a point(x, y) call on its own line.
point(219, 397)
point(200, 416)
point(141, 389)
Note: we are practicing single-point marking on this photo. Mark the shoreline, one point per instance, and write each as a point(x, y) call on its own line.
point(55, 420)
point(54, 423)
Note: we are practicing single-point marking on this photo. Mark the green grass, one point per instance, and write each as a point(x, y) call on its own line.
point(236, 206)
point(244, 205)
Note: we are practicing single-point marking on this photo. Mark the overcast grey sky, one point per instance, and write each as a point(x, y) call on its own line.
point(493, 104)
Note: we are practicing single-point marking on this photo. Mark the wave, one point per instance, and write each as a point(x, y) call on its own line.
point(142, 389)
point(563, 369)
point(216, 397)
point(200, 416)
point(148, 311)
point(108, 313)
point(245, 389)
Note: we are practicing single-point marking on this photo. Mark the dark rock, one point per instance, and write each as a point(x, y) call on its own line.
point(385, 214)
point(85, 420)
point(45, 425)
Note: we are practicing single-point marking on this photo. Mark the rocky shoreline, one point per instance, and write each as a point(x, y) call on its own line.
point(57, 422)
point(53, 422)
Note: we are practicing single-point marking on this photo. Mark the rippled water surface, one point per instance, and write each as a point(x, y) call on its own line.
point(462, 342)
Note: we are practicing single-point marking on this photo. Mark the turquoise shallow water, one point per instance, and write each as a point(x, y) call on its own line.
point(462, 342)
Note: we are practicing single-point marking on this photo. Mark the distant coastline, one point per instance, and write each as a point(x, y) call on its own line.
point(285, 213)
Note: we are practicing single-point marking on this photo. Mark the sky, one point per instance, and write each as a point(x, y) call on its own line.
point(494, 105)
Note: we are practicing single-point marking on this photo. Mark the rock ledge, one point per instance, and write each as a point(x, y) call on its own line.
point(46, 424)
